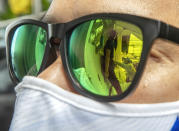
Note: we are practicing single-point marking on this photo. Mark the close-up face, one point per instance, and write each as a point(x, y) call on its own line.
point(159, 82)
point(108, 51)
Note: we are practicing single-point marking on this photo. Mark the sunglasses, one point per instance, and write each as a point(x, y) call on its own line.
point(103, 54)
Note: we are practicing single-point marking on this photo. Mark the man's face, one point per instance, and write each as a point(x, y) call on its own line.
point(160, 80)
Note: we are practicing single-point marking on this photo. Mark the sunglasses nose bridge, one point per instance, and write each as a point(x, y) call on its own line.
point(56, 31)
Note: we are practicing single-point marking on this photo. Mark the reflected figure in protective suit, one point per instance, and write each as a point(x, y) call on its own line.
point(108, 63)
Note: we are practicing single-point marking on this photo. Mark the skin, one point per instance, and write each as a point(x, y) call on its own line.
point(159, 82)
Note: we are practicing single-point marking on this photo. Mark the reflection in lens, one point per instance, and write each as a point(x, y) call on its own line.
point(104, 55)
point(27, 50)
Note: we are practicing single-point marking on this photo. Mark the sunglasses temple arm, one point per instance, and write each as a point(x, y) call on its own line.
point(169, 32)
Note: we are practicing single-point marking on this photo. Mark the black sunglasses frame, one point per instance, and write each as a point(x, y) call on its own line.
point(150, 28)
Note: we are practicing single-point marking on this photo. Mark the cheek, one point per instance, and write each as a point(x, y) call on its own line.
point(159, 83)
point(155, 74)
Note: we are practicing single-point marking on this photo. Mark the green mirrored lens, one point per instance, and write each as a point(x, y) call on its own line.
point(104, 55)
point(27, 50)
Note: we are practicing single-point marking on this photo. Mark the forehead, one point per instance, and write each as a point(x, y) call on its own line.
point(67, 10)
